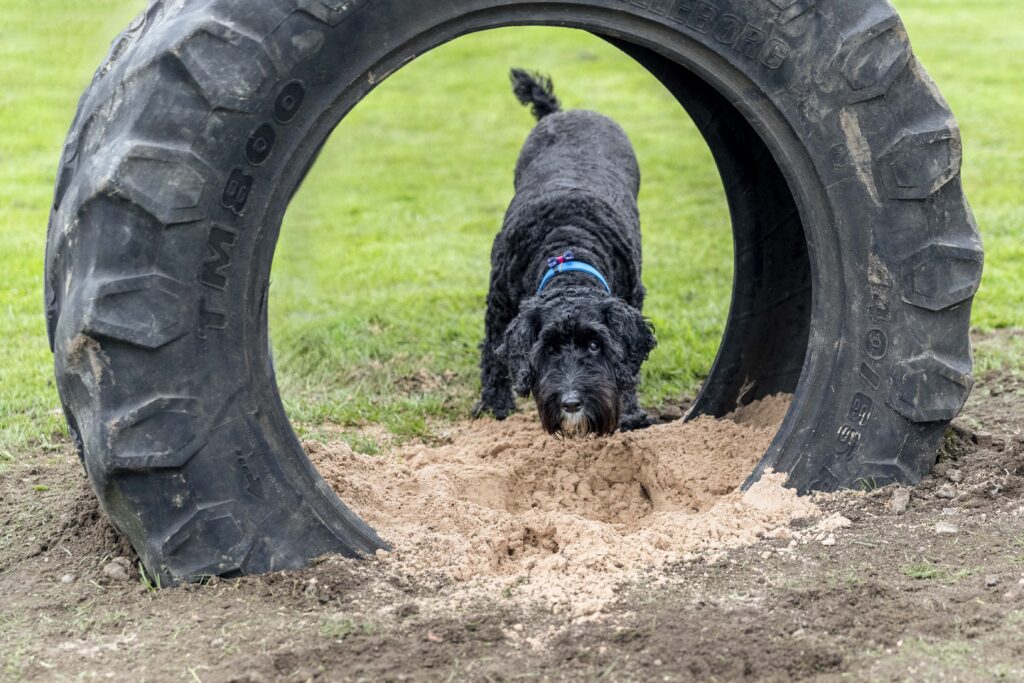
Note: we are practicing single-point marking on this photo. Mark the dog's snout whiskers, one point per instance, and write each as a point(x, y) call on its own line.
point(575, 424)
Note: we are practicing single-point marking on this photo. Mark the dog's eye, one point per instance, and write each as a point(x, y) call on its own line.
point(595, 347)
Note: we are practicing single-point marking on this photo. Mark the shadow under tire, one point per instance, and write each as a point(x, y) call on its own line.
point(857, 257)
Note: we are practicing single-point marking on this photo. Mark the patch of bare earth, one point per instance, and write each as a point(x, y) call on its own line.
point(919, 584)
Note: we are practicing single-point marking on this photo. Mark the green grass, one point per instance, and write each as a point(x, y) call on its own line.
point(380, 278)
point(342, 627)
point(44, 66)
point(1018, 553)
point(1001, 352)
point(922, 571)
point(926, 570)
point(406, 200)
point(147, 583)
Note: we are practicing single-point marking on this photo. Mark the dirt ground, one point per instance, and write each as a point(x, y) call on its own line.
point(923, 584)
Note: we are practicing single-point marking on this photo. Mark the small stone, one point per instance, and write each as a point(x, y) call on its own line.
point(991, 581)
point(899, 501)
point(115, 571)
point(657, 662)
point(945, 528)
point(797, 633)
point(67, 578)
point(766, 555)
point(950, 512)
point(984, 439)
point(955, 476)
point(830, 541)
point(946, 492)
point(382, 554)
point(833, 522)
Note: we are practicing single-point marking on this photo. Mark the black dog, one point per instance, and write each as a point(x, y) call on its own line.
point(564, 315)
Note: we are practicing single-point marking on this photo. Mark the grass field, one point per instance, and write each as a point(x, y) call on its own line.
point(379, 283)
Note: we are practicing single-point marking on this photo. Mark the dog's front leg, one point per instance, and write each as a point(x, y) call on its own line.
point(633, 416)
point(496, 394)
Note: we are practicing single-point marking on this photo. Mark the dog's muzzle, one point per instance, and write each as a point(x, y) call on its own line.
point(574, 419)
point(575, 424)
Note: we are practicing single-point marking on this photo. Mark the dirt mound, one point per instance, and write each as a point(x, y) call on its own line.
point(83, 528)
point(565, 520)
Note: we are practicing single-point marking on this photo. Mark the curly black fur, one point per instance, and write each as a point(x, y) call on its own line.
point(535, 91)
point(574, 347)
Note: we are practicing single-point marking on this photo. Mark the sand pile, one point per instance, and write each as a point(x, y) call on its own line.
point(566, 520)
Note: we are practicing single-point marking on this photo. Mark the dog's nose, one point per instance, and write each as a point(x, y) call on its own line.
point(571, 403)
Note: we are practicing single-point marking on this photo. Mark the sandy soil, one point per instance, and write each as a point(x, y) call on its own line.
point(883, 585)
point(565, 522)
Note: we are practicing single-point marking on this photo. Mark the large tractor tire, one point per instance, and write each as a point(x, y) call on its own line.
point(856, 254)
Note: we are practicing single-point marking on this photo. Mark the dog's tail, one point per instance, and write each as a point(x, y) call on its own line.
point(537, 91)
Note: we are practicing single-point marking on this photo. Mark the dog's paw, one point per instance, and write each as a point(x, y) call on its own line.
point(635, 421)
point(500, 412)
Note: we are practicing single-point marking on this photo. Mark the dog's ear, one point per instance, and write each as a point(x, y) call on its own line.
point(517, 349)
point(635, 335)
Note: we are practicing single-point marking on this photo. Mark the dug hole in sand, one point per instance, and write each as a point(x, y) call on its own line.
point(503, 506)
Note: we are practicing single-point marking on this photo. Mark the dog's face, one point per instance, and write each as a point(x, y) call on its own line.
point(577, 353)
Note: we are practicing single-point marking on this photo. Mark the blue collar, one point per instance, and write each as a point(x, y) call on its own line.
point(568, 264)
